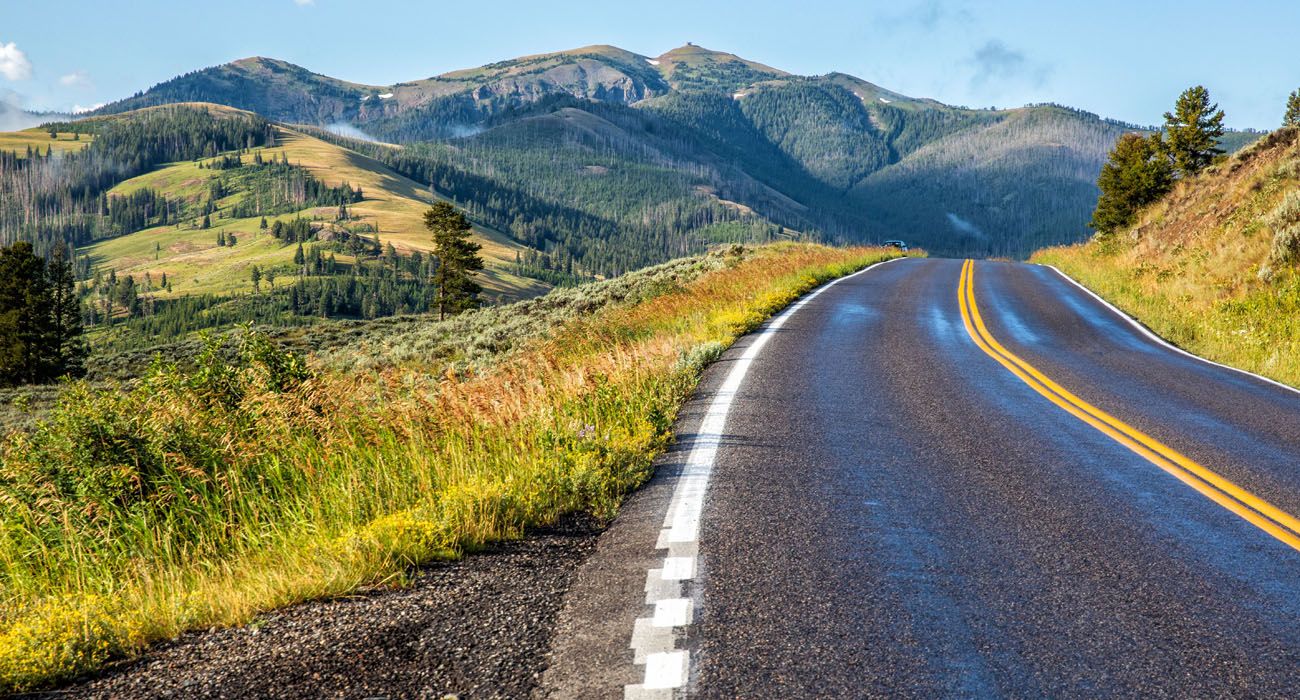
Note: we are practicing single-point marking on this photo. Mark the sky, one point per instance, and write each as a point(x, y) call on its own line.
point(1124, 59)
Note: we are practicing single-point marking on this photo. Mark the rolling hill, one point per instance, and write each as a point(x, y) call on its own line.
point(1214, 266)
point(832, 156)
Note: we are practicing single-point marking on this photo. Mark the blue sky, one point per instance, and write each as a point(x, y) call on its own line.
point(1122, 59)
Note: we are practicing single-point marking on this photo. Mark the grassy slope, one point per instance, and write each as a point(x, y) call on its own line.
point(253, 487)
point(195, 264)
point(40, 139)
point(1190, 268)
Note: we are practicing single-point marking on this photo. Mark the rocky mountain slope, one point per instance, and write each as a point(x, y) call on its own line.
point(835, 156)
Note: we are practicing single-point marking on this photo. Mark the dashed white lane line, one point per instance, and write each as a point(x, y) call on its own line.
point(678, 568)
point(1150, 335)
point(669, 588)
point(673, 612)
point(666, 670)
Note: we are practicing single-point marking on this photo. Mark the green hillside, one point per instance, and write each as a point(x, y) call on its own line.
point(1214, 266)
point(833, 156)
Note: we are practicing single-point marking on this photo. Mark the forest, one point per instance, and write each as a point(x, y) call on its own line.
point(60, 199)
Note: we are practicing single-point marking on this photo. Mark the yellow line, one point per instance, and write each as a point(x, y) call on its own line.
point(1248, 506)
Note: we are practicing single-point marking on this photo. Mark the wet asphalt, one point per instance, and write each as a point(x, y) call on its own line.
point(894, 514)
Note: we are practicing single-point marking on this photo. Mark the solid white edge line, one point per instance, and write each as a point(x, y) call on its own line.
point(1151, 335)
point(669, 670)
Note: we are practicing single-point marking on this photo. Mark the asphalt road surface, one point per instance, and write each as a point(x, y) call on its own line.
point(942, 479)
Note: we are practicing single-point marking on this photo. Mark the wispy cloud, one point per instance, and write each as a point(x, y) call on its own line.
point(78, 78)
point(926, 15)
point(80, 109)
point(12, 115)
point(996, 63)
point(13, 62)
point(304, 3)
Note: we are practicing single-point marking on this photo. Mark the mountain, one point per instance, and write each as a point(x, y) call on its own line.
point(607, 159)
point(1214, 266)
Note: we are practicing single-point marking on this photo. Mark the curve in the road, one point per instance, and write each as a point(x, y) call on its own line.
point(654, 638)
point(1241, 502)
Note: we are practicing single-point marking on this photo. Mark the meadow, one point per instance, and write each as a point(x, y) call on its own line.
point(195, 264)
point(253, 477)
point(39, 139)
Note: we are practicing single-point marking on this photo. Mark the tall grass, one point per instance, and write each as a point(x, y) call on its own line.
point(203, 496)
point(1213, 266)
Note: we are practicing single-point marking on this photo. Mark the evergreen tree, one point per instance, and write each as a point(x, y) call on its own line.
point(65, 314)
point(128, 296)
point(457, 259)
point(263, 224)
point(298, 256)
point(1137, 174)
point(1193, 131)
point(207, 222)
point(256, 276)
point(26, 334)
point(1292, 117)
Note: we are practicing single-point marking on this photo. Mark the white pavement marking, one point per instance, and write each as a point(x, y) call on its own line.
point(679, 568)
point(1161, 341)
point(666, 668)
point(673, 612)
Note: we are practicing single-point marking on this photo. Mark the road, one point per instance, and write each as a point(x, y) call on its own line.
point(942, 479)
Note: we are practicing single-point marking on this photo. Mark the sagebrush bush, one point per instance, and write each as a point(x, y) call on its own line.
point(1286, 246)
point(1285, 222)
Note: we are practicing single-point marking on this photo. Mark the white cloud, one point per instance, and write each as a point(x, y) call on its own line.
point(304, 3)
point(79, 109)
point(996, 63)
point(79, 78)
point(13, 62)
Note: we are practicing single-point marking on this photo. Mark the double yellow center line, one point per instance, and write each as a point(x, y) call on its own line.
point(1243, 503)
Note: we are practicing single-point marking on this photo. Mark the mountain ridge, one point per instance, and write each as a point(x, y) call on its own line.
point(861, 162)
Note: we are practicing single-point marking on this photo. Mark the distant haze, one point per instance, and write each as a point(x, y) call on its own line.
point(349, 131)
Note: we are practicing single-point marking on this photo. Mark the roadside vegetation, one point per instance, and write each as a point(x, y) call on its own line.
point(253, 476)
point(1203, 249)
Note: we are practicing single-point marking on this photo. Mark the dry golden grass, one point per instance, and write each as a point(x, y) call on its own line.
point(259, 497)
point(196, 265)
point(1196, 269)
point(39, 139)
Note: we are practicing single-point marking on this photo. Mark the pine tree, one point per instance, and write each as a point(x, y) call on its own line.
point(457, 259)
point(65, 314)
point(207, 222)
point(1292, 117)
point(1137, 174)
point(26, 333)
point(298, 256)
point(256, 276)
point(1193, 131)
point(263, 224)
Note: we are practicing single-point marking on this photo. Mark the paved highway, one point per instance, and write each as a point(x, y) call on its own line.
point(939, 478)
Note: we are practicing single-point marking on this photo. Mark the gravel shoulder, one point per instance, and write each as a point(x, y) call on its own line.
point(476, 628)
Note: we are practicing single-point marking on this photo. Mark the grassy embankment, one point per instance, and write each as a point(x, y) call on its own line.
point(1213, 266)
point(203, 496)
